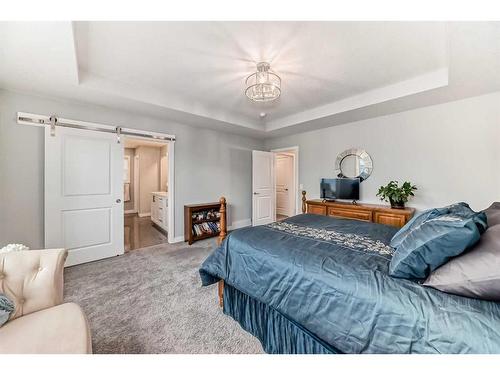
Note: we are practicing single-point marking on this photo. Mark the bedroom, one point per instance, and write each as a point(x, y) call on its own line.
point(327, 256)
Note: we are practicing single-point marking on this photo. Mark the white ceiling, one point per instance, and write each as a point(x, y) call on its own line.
point(194, 72)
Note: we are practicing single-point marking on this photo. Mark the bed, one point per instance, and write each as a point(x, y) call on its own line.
point(316, 284)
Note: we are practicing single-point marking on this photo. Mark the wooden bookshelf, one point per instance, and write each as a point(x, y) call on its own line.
point(191, 210)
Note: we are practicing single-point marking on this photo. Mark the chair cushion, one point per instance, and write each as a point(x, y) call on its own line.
point(434, 237)
point(475, 273)
point(57, 330)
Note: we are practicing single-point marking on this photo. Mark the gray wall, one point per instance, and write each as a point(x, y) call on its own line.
point(208, 164)
point(450, 151)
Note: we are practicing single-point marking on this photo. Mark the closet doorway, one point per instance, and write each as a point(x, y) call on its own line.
point(286, 182)
point(145, 192)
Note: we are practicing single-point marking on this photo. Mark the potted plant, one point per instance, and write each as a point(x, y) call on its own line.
point(395, 194)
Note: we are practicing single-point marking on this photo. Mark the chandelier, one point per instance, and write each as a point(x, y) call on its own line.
point(263, 85)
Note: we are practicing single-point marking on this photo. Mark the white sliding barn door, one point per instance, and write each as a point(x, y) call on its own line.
point(263, 204)
point(83, 194)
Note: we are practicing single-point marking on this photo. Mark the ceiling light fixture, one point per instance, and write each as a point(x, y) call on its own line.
point(263, 85)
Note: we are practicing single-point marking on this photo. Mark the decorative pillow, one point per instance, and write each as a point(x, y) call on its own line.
point(6, 308)
point(432, 238)
point(414, 223)
point(475, 273)
point(461, 209)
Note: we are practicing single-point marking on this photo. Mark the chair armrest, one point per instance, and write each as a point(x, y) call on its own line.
point(32, 279)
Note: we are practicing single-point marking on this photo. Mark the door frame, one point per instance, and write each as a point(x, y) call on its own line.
point(170, 183)
point(295, 150)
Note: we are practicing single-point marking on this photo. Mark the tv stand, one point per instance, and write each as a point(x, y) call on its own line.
point(360, 211)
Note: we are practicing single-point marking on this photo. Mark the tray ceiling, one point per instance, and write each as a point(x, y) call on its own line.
point(194, 72)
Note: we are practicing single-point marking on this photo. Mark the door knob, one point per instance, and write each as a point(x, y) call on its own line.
point(118, 200)
point(286, 189)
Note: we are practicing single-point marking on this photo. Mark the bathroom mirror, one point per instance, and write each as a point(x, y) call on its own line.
point(354, 163)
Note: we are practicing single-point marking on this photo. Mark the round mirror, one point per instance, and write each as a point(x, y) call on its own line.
point(354, 163)
point(349, 166)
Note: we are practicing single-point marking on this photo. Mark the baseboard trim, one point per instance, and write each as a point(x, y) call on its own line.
point(178, 239)
point(240, 224)
point(144, 214)
point(130, 211)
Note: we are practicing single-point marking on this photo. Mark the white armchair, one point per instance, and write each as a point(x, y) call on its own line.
point(40, 323)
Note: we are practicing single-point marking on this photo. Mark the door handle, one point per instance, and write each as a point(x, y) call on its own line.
point(118, 201)
point(286, 189)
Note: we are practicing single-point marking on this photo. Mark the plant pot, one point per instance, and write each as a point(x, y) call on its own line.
point(397, 204)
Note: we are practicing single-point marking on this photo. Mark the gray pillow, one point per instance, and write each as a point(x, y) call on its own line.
point(475, 273)
point(6, 308)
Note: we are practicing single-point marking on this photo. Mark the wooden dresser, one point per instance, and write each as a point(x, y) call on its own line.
point(360, 211)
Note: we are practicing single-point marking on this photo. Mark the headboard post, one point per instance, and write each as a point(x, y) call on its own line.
point(304, 207)
point(223, 224)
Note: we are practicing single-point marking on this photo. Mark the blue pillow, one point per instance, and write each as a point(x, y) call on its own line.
point(461, 209)
point(432, 238)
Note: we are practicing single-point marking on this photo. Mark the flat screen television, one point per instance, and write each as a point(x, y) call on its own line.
point(339, 188)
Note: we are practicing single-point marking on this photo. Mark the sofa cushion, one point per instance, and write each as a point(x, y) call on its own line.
point(475, 273)
point(57, 330)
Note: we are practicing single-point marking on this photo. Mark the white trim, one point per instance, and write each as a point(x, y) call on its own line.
point(146, 214)
point(170, 193)
point(177, 239)
point(298, 193)
point(137, 171)
point(133, 211)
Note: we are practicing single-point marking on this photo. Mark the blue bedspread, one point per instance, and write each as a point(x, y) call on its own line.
point(330, 277)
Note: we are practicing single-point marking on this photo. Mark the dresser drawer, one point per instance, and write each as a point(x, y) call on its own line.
point(391, 219)
point(350, 213)
point(316, 209)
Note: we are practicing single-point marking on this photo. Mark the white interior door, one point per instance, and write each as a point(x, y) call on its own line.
point(263, 204)
point(83, 194)
point(284, 185)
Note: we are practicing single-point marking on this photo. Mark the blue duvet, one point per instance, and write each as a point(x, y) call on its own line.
point(330, 277)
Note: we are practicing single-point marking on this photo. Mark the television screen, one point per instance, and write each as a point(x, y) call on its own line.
point(339, 188)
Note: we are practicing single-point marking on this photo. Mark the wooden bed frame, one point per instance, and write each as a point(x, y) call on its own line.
point(223, 235)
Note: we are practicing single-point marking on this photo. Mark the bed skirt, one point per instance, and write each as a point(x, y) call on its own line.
point(277, 333)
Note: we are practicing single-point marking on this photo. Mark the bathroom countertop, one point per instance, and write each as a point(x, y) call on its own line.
point(160, 193)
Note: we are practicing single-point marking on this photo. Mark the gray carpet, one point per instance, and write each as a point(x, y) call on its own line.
point(151, 301)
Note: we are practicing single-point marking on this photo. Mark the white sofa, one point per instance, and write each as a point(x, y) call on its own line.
point(40, 323)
